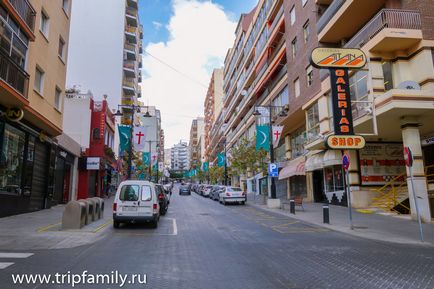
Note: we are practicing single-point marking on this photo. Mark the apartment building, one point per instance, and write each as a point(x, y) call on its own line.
point(150, 117)
point(180, 156)
point(212, 108)
point(195, 145)
point(34, 38)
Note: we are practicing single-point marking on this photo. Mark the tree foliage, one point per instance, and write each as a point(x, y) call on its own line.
point(245, 158)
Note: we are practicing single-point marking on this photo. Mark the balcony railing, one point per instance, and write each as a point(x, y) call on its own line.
point(26, 11)
point(13, 74)
point(386, 18)
point(328, 14)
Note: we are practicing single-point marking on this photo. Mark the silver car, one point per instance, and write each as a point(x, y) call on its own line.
point(232, 195)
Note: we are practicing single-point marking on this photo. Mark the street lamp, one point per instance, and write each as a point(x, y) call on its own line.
point(133, 109)
point(283, 112)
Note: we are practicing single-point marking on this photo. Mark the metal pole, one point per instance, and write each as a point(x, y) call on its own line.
point(130, 152)
point(416, 205)
point(350, 212)
point(273, 181)
point(226, 174)
point(150, 162)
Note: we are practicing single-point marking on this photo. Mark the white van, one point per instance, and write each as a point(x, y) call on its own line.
point(136, 201)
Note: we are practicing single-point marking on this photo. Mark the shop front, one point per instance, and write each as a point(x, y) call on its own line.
point(315, 177)
point(293, 175)
point(63, 177)
point(26, 169)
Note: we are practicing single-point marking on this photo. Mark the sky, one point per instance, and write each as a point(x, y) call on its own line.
point(192, 37)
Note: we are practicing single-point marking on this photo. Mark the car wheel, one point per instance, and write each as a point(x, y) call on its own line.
point(154, 224)
point(243, 203)
point(116, 224)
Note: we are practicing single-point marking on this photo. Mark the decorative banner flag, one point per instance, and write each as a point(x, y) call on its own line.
point(205, 166)
point(221, 159)
point(263, 137)
point(277, 133)
point(154, 159)
point(160, 167)
point(146, 158)
point(124, 137)
point(139, 138)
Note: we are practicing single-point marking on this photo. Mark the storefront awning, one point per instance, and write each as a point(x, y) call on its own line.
point(314, 162)
point(332, 158)
point(294, 168)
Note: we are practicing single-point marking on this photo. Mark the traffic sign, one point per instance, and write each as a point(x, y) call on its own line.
point(273, 170)
point(408, 157)
point(346, 161)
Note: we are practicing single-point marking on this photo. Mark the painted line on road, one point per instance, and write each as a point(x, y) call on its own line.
point(291, 231)
point(175, 227)
point(4, 265)
point(46, 228)
point(109, 222)
point(15, 255)
point(286, 224)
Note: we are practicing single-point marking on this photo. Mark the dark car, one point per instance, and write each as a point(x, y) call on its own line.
point(163, 199)
point(215, 191)
point(184, 190)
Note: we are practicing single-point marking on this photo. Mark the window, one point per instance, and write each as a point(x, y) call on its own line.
point(11, 162)
point(312, 121)
point(39, 80)
point(297, 143)
point(306, 31)
point(292, 13)
point(129, 193)
point(297, 87)
point(58, 99)
point(387, 75)
point(309, 75)
point(45, 22)
point(303, 2)
point(294, 47)
point(61, 48)
point(282, 98)
point(334, 179)
point(359, 92)
point(65, 6)
point(146, 193)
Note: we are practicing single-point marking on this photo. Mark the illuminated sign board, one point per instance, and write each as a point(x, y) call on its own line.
point(340, 142)
point(323, 57)
point(14, 114)
point(341, 98)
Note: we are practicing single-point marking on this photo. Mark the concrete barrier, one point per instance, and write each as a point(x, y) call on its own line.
point(74, 215)
point(98, 207)
point(92, 210)
point(86, 204)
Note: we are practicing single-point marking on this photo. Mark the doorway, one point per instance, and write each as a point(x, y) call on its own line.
point(318, 186)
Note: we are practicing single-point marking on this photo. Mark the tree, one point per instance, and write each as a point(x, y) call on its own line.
point(245, 158)
point(216, 174)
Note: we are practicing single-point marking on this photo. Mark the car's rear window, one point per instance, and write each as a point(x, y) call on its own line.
point(184, 187)
point(146, 193)
point(235, 189)
point(129, 193)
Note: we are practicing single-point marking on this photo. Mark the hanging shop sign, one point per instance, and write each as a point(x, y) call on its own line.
point(92, 164)
point(323, 57)
point(338, 60)
point(14, 114)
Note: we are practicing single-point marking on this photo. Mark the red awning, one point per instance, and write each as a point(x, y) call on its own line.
point(294, 168)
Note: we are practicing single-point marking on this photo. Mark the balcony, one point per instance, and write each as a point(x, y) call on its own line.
point(390, 30)
point(129, 68)
point(131, 16)
point(129, 87)
point(343, 19)
point(130, 51)
point(13, 79)
point(131, 34)
point(24, 12)
point(133, 4)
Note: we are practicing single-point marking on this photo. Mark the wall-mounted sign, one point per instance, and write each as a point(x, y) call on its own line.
point(342, 112)
point(345, 142)
point(92, 164)
point(427, 141)
point(14, 114)
point(323, 57)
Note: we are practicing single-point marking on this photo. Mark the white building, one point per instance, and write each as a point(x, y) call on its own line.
point(180, 156)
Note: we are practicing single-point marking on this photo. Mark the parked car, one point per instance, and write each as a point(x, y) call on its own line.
point(232, 195)
point(215, 191)
point(184, 190)
point(206, 191)
point(163, 199)
point(136, 201)
point(168, 191)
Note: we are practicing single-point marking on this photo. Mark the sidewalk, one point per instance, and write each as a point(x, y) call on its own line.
point(42, 230)
point(371, 226)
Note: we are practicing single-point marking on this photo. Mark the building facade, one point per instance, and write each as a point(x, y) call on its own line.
point(269, 65)
point(180, 156)
point(32, 85)
point(195, 145)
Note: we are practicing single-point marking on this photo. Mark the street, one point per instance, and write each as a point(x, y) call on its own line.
point(202, 244)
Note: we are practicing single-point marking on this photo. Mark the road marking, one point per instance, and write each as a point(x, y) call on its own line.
point(46, 228)
point(103, 226)
point(15, 255)
point(286, 224)
point(4, 265)
point(175, 227)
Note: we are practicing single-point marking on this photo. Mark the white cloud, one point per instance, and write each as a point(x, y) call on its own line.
point(157, 25)
point(200, 34)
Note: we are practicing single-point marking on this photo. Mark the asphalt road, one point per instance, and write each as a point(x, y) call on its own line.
point(202, 244)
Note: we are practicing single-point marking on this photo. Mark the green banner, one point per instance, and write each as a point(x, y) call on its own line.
point(263, 137)
point(205, 167)
point(221, 160)
point(124, 137)
point(146, 158)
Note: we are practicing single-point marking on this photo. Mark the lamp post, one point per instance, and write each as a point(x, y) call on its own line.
point(133, 108)
point(282, 113)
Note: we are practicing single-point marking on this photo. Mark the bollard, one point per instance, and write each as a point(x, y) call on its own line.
point(74, 215)
point(292, 206)
point(97, 202)
point(102, 208)
point(88, 220)
point(92, 210)
point(326, 214)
